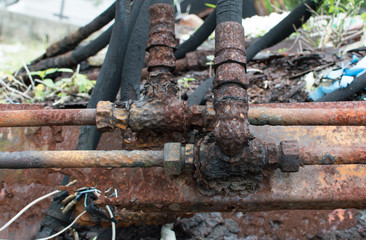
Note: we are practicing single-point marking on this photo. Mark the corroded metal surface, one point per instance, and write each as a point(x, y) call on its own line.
point(19, 187)
point(311, 188)
point(53, 117)
point(150, 189)
point(81, 159)
point(230, 84)
point(162, 41)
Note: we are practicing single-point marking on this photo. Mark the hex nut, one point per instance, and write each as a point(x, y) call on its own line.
point(173, 159)
point(289, 160)
point(272, 156)
point(189, 158)
point(104, 116)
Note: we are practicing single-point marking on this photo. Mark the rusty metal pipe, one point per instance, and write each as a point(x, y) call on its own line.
point(59, 117)
point(81, 159)
point(333, 155)
point(286, 114)
point(339, 113)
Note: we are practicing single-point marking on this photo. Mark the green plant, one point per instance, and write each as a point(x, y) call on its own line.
point(78, 84)
point(341, 12)
point(333, 20)
point(183, 83)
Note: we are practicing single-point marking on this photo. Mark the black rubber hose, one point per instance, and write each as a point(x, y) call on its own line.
point(83, 52)
point(135, 11)
point(135, 54)
point(228, 11)
point(342, 94)
point(198, 37)
point(108, 82)
point(203, 32)
point(199, 93)
point(171, 2)
point(282, 30)
point(72, 40)
point(73, 58)
point(285, 28)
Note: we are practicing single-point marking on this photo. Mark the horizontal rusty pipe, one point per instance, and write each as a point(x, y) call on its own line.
point(287, 114)
point(325, 155)
point(333, 155)
point(54, 117)
point(337, 113)
point(81, 159)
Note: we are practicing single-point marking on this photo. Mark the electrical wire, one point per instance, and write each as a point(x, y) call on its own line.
point(27, 207)
point(63, 230)
point(113, 224)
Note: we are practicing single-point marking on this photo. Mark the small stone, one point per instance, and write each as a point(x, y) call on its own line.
point(231, 225)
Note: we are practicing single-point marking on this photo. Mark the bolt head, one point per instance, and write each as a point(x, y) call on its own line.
point(173, 159)
point(189, 158)
point(289, 156)
point(104, 116)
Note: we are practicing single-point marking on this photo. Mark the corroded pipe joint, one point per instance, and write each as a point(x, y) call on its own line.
point(161, 86)
point(217, 172)
point(109, 117)
point(158, 116)
point(201, 116)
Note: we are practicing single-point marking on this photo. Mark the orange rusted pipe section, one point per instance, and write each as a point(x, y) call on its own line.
point(337, 113)
point(81, 159)
point(54, 117)
point(334, 155)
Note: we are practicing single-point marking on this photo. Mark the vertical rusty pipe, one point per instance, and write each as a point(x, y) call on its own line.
point(230, 83)
point(161, 46)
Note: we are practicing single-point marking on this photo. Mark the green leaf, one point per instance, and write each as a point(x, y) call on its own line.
point(210, 5)
point(49, 83)
point(69, 70)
